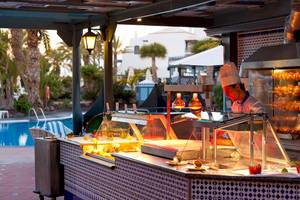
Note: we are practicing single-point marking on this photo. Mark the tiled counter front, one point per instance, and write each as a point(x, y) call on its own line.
point(221, 189)
point(129, 180)
point(139, 180)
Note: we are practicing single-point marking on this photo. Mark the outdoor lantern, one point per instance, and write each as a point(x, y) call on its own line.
point(89, 40)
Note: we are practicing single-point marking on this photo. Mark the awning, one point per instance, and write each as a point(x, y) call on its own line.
point(211, 57)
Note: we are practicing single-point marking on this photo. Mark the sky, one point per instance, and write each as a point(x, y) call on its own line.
point(125, 32)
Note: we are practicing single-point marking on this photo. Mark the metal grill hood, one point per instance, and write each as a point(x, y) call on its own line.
point(272, 57)
point(279, 56)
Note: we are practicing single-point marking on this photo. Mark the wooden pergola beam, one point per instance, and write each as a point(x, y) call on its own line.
point(157, 8)
point(172, 21)
point(266, 17)
point(47, 20)
point(247, 26)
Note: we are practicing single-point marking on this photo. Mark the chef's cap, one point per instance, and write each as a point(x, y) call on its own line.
point(229, 74)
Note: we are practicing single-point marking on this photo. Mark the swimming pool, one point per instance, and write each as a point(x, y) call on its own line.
point(16, 133)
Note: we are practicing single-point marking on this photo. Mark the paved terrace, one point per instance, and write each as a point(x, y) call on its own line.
point(17, 174)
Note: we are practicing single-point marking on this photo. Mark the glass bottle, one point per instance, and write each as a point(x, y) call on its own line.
point(178, 102)
point(195, 105)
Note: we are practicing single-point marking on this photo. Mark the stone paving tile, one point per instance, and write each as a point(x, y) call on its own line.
point(17, 174)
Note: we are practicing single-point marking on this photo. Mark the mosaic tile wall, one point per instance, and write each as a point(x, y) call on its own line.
point(238, 190)
point(249, 42)
point(128, 180)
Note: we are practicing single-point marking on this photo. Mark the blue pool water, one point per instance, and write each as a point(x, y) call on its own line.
point(17, 133)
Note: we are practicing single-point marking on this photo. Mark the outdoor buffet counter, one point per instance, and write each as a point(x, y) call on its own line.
point(140, 176)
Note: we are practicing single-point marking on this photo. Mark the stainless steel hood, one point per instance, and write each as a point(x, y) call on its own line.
point(274, 57)
point(279, 56)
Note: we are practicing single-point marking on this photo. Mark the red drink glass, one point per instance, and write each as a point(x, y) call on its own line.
point(256, 169)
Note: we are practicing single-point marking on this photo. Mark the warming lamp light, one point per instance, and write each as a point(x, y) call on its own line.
point(178, 102)
point(195, 105)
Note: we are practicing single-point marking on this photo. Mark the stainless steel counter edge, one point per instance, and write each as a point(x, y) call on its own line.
point(68, 141)
point(196, 175)
point(98, 161)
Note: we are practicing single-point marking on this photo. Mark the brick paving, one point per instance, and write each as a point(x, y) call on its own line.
point(17, 174)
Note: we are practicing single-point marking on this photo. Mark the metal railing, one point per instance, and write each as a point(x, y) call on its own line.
point(35, 113)
point(42, 112)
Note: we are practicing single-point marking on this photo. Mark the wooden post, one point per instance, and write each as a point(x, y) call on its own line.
point(169, 115)
point(107, 36)
point(77, 114)
point(71, 35)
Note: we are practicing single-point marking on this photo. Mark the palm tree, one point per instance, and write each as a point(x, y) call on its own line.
point(33, 66)
point(8, 72)
point(116, 45)
point(65, 55)
point(97, 53)
point(29, 61)
point(153, 50)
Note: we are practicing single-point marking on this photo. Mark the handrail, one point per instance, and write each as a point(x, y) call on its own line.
point(42, 112)
point(32, 109)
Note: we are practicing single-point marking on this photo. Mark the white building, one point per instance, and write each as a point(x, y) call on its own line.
point(176, 40)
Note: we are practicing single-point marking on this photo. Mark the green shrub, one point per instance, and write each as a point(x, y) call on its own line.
point(22, 104)
point(66, 103)
point(122, 95)
point(218, 97)
point(90, 95)
point(203, 45)
point(93, 80)
point(66, 92)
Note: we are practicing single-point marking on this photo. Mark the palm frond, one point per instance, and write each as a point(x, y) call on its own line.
point(45, 39)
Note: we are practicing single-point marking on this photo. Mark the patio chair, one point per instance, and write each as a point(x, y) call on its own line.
point(58, 128)
point(3, 114)
point(50, 129)
point(37, 132)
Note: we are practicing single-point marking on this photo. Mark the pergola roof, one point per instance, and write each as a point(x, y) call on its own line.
point(69, 17)
point(216, 15)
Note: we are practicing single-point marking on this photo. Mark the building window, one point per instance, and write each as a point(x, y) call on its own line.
point(189, 45)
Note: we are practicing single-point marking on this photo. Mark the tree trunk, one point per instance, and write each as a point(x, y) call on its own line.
point(33, 68)
point(9, 93)
point(16, 42)
point(154, 70)
point(6, 90)
point(86, 59)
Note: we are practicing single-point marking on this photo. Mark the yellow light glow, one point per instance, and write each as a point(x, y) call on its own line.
point(89, 40)
point(178, 102)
